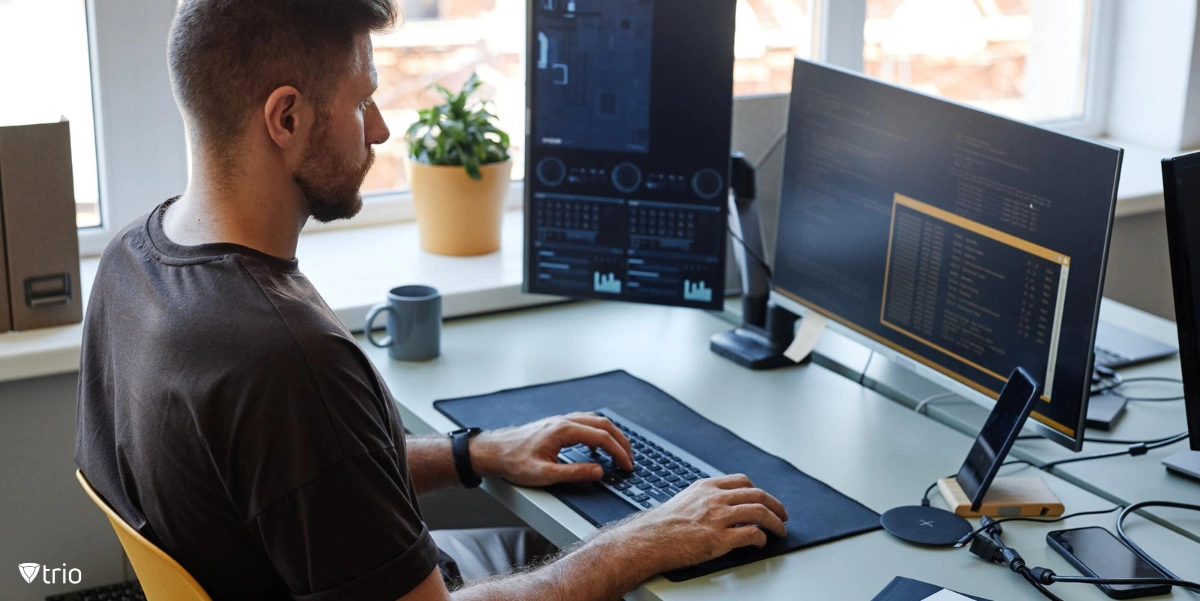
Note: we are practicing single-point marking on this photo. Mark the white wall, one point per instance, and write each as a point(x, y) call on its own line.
point(44, 515)
point(1154, 57)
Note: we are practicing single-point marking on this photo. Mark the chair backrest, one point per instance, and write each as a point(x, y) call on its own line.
point(162, 578)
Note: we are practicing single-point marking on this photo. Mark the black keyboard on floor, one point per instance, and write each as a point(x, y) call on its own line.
point(122, 591)
point(661, 469)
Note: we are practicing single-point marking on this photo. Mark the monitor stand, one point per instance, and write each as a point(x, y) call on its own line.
point(1186, 464)
point(767, 329)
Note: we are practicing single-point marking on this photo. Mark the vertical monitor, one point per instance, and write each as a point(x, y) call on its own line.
point(630, 108)
point(958, 242)
point(1181, 190)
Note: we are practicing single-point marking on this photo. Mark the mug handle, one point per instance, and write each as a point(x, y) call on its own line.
point(369, 327)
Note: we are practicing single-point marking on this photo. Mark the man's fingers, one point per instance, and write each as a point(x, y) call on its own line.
point(746, 536)
point(603, 423)
point(575, 472)
point(595, 437)
point(732, 481)
point(747, 496)
point(757, 515)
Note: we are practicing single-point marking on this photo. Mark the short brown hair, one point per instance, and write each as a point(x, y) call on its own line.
point(227, 56)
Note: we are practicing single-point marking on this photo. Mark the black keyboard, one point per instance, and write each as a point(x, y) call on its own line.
point(122, 591)
point(661, 469)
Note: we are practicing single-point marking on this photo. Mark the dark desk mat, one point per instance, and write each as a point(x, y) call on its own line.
point(906, 589)
point(817, 513)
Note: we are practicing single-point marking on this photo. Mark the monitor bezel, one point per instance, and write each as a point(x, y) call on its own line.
point(1181, 278)
point(916, 364)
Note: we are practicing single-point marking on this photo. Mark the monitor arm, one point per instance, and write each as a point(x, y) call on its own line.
point(767, 329)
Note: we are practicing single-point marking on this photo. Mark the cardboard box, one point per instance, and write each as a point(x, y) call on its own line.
point(40, 244)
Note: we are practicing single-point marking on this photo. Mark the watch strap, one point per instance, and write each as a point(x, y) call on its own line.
point(460, 441)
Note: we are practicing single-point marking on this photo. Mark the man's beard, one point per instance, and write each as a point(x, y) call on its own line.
point(331, 184)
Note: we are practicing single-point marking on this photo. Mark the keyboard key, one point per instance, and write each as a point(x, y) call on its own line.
point(641, 497)
point(621, 485)
point(703, 475)
point(647, 504)
point(672, 491)
point(659, 495)
point(632, 493)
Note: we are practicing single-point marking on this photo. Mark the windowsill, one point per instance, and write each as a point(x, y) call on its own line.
point(352, 268)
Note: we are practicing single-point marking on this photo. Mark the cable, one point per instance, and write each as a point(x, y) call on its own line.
point(1109, 440)
point(1136, 450)
point(1119, 382)
point(987, 543)
point(1028, 575)
point(968, 538)
point(757, 257)
point(753, 254)
point(1134, 546)
point(991, 547)
point(1055, 578)
point(863, 376)
point(937, 397)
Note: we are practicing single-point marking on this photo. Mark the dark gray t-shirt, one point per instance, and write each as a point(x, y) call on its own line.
point(228, 415)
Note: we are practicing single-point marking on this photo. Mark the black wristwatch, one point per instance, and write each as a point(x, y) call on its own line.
point(460, 446)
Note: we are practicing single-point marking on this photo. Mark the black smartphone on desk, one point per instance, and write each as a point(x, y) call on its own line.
point(1097, 553)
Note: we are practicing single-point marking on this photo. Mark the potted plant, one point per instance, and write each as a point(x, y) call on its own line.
point(460, 170)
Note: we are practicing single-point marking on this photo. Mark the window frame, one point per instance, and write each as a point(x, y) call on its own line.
point(142, 146)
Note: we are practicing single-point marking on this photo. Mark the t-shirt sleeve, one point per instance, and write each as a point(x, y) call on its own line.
point(350, 533)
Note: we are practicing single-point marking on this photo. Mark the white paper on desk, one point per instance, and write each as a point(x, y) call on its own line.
point(811, 328)
point(946, 595)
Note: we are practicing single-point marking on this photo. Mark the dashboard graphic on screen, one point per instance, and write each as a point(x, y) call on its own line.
point(630, 110)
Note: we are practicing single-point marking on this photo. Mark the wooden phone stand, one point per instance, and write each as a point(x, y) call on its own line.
point(1006, 498)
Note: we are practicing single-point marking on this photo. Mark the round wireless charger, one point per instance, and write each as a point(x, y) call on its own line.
point(927, 526)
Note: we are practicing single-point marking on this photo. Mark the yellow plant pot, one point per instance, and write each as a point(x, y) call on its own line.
point(457, 215)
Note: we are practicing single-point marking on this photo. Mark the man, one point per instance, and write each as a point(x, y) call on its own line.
point(228, 415)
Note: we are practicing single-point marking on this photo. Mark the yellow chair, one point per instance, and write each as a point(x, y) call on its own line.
point(162, 578)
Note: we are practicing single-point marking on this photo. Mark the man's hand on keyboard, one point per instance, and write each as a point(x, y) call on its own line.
point(528, 455)
point(707, 520)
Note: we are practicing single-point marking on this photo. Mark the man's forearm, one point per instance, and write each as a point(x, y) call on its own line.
point(431, 463)
point(604, 568)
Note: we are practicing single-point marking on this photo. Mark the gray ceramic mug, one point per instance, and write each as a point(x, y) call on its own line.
point(414, 324)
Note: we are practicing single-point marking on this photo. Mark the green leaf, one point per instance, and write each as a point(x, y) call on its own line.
point(458, 133)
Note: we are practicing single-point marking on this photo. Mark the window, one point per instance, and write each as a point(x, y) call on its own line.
point(1027, 59)
point(770, 35)
point(44, 54)
point(444, 41)
point(1049, 64)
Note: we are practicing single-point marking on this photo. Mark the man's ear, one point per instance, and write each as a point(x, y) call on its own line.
point(286, 116)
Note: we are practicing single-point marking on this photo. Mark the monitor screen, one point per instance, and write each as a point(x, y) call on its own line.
point(628, 149)
point(1181, 187)
point(969, 243)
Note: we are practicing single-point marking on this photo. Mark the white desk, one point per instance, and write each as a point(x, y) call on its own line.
point(865, 445)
